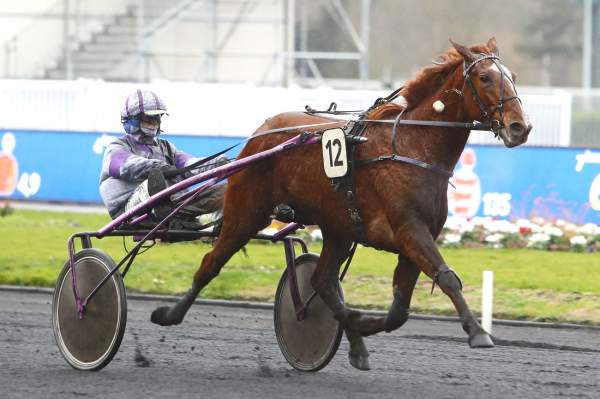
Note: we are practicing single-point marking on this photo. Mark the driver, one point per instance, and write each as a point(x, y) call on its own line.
point(133, 165)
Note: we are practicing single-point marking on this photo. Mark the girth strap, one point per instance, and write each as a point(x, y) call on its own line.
point(400, 158)
point(345, 184)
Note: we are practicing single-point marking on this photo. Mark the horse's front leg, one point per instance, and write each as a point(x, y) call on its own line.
point(325, 283)
point(416, 242)
point(405, 278)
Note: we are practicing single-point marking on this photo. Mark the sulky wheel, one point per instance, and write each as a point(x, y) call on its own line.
point(310, 344)
point(89, 343)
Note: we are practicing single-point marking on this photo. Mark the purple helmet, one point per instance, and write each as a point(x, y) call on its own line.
point(142, 102)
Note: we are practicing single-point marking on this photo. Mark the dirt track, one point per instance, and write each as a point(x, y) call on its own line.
point(223, 352)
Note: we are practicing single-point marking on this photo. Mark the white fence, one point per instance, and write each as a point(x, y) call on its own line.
point(550, 115)
point(220, 109)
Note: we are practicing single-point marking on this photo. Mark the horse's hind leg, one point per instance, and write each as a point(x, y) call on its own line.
point(405, 278)
point(417, 243)
point(325, 283)
point(240, 224)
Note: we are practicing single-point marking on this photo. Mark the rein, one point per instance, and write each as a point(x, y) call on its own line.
point(359, 124)
point(415, 122)
point(489, 124)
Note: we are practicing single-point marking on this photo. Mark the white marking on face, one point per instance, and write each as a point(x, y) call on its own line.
point(507, 72)
point(508, 75)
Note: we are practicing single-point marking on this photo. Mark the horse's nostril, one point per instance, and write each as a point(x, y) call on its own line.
point(517, 128)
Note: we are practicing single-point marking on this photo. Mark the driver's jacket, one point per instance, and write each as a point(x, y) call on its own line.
point(128, 160)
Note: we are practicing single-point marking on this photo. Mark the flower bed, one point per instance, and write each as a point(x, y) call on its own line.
point(522, 233)
point(481, 232)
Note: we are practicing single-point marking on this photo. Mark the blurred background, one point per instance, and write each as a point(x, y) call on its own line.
point(223, 66)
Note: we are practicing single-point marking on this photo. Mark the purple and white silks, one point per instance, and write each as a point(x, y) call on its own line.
point(127, 162)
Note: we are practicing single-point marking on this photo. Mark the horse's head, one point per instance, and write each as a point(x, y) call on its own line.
point(492, 95)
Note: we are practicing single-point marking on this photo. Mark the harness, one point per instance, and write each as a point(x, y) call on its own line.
point(354, 135)
point(354, 131)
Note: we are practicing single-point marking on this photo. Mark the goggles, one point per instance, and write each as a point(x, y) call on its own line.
point(150, 118)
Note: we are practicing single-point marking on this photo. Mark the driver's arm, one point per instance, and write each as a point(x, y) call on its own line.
point(121, 163)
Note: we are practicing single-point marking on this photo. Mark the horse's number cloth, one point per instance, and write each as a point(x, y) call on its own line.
point(335, 157)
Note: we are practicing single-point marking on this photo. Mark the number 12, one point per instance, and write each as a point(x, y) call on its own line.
point(338, 144)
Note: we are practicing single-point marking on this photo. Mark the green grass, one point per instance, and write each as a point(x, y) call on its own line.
point(529, 284)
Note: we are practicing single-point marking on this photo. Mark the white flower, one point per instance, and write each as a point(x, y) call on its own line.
point(560, 223)
point(552, 230)
point(501, 226)
point(494, 238)
point(589, 229)
point(481, 221)
point(556, 232)
point(453, 223)
point(538, 220)
point(459, 224)
point(524, 223)
point(539, 238)
point(316, 235)
point(452, 238)
point(536, 228)
point(467, 227)
point(578, 240)
point(570, 227)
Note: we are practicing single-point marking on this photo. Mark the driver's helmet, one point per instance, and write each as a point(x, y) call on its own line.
point(142, 104)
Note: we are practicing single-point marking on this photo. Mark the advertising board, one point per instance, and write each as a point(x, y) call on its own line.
point(552, 183)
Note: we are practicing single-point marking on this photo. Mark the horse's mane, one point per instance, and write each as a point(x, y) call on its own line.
point(423, 86)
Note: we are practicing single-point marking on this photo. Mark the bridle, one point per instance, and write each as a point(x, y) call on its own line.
point(487, 112)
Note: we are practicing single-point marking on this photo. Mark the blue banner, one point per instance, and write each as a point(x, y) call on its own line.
point(65, 166)
point(526, 182)
point(552, 183)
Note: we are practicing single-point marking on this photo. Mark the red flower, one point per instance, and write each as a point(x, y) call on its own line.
point(524, 230)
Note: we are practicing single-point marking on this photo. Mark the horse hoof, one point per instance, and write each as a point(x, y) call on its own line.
point(481, 340)
point(359, 362)
point(160, 315)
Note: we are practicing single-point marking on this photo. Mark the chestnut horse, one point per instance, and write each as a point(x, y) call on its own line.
point(403, 207)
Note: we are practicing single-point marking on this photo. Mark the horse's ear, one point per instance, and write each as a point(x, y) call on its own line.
point(492, 46)
point(464, 51)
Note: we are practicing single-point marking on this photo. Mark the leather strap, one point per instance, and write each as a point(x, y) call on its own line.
point(197, 164)
point(399, 158)
point(346, 183)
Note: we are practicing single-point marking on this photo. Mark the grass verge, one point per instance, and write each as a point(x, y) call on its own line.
point(529, 284)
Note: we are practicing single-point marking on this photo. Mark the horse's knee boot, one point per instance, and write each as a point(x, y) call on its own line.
point(397, 315)
point(447, 279)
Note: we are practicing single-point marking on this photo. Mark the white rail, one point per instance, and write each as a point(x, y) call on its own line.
point(220, 109)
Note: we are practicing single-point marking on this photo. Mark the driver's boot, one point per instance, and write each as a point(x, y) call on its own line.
point(284, 213)
point(157, 183)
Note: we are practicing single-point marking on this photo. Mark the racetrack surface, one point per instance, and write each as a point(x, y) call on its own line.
point(224, 352)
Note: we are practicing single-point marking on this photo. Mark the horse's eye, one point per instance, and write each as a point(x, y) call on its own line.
point(485, 79)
